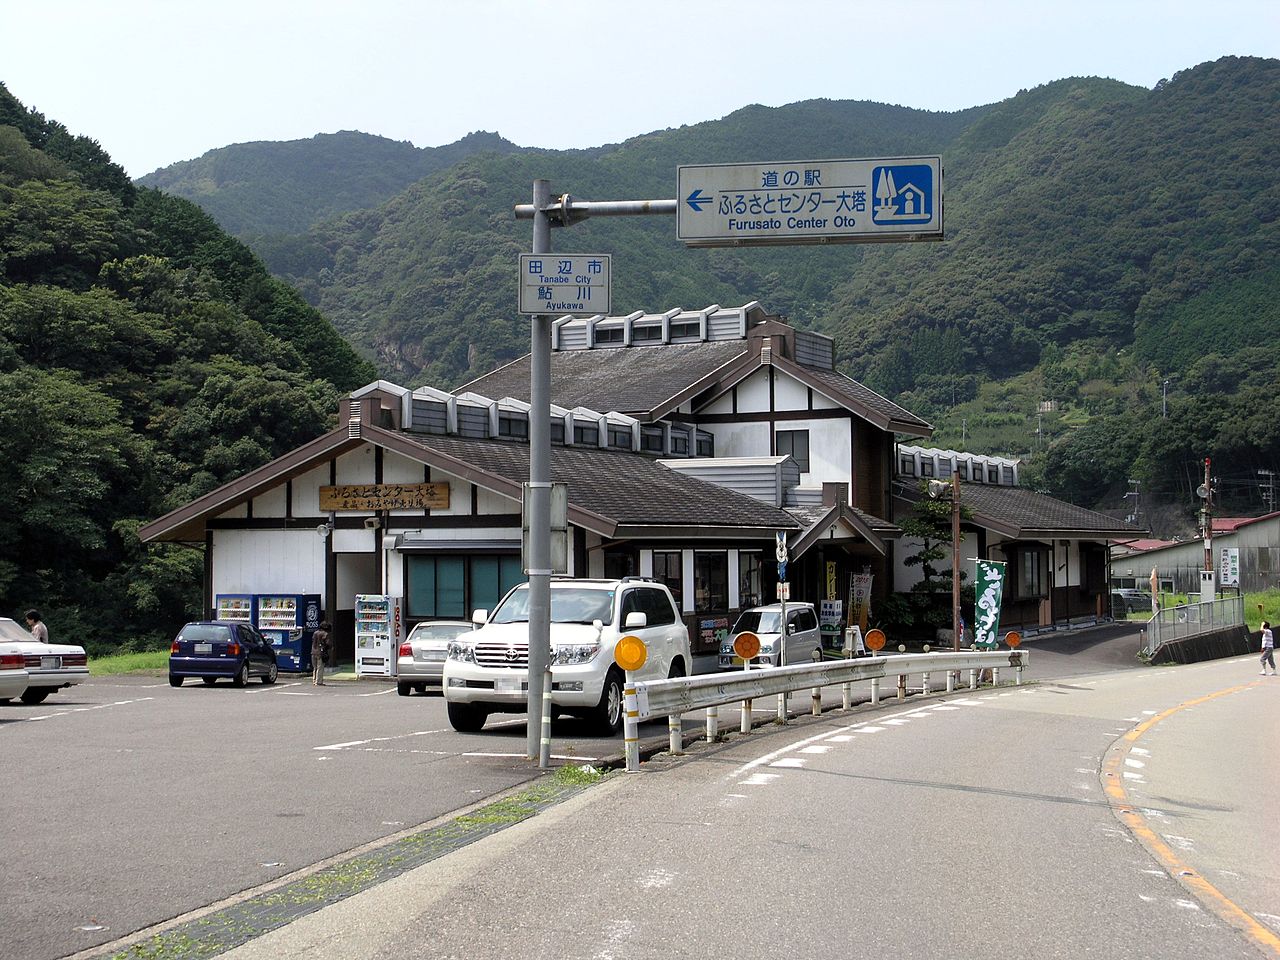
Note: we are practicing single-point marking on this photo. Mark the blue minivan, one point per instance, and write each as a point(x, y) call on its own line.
point(210, 649)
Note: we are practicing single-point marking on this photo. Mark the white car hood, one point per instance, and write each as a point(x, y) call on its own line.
point(518, 633)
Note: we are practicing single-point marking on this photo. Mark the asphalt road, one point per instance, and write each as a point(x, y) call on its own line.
point(129, 802)
point(975, 825)
point(138, 802)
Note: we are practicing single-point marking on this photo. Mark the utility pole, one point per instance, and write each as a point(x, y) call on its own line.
point(955, 560)
point(1137, 506)
point(1164, 400)
point(1268, 488)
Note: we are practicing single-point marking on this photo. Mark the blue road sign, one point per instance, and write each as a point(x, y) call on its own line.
point(902, 194)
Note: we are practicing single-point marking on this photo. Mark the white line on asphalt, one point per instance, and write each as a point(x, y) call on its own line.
point(816, 748)
point(275, 688)
point(841, 738)
point(380, 693)
point(554, 756)
point(296, 693)
point(101, 706)
point(788, 762)
point(361, 743)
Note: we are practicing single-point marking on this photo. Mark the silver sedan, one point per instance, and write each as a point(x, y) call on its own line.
point(421, 658)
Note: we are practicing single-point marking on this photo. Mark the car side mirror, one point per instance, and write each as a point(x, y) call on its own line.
point(479, 617)
point(636, 619)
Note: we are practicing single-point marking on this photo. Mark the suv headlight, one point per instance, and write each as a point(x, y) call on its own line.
point(766, 648)
point(726, 648)
point(464, 652)
point(569, 653)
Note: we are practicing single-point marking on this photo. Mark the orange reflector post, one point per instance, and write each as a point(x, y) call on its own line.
point(630, 652)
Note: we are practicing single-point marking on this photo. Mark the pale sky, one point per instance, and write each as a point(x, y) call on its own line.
point(158, 81)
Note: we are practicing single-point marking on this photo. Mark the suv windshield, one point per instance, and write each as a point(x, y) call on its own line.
point(757, 621)
point(568, 605)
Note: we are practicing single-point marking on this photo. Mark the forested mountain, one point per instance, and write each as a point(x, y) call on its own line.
point(1101, 239)
point(145, 358)
point(267, 188)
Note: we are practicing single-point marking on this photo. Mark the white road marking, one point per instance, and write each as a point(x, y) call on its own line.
point(1134, 776)
point(1130, 762)
point(554, 756)
point(871, 729)
point(840, 738)
point(359, 743)
point(101, 706)
point(758, 780)
point(1186, 904)
point(788, 762)
point(816, 748)
point(1140, 752)
point(657, 879)
point(380, 693)
point(1182, 843)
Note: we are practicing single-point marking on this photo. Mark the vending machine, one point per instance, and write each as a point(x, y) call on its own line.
point(234, 606)
point(287, 621)
point(379, 630)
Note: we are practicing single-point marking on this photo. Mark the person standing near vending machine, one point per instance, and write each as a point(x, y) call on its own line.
point(320, 652)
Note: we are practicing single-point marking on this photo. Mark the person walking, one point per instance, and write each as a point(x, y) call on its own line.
point(320, 652)
point(1268, 649)
point(38, 630)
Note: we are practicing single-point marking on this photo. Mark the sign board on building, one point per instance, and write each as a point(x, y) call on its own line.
point(566, 283)
point(810, 201)
point(1229, 567)
point(385, 496)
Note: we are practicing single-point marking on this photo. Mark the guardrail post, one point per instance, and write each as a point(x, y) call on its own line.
point(817, 701)
point(902, 686)
point(713, 724)
point(631, 725)
point(675, 734)
point(1017, 676)
point(924, 683)
point(995, 676)
point(951, 681)
point(746, 717)
point(973, 679)
point(846, 692)
point(782, 708)
point(875, 691)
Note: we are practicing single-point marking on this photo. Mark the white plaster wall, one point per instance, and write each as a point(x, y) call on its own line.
point(830, 450)
point(741, 439)
point(822, 403)
point(238, 512)
point(356, 574)
point(722, 404)
point(789, 393)
point(268, 561)
point(356, 466)
point(400, 469)
point(753, 392)
point(273, 503)
point(904, 577)
point(488, 502)
point(358, 540)
point(306, 492)
point(459, 495)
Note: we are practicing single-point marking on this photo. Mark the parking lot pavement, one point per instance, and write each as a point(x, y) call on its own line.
point(144, 801)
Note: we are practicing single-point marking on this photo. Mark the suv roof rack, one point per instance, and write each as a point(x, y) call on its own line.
point(628, 579)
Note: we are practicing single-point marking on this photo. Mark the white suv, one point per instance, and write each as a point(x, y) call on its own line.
point(488, 671)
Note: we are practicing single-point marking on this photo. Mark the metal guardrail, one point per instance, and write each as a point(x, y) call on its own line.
point(1191, 620)
point(656, 698)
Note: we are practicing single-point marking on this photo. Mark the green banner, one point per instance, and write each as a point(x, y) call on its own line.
point(988, 591)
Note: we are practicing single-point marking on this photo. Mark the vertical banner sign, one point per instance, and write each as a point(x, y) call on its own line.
point(1229, 567)
point(989, 589)
point(831, 580)
point(860, 599)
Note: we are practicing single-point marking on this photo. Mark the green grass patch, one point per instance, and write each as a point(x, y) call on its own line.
point(1261, 606)
point(150, 662)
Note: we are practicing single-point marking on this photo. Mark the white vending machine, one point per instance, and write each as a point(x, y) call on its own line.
point(379, 630)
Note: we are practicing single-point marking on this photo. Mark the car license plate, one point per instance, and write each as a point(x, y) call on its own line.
point(202, 648)
point(738, 661)
point(50, 663)
point(506, 686)
point(433, 656)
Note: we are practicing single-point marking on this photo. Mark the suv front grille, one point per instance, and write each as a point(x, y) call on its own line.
point(502, 655)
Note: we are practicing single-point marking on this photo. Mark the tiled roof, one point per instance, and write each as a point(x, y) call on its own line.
point(630, 380)
point(1023, 513)
point(895, 418)
point(631, 489)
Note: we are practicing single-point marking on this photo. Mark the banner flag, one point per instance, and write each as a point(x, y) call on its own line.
point(986, 618)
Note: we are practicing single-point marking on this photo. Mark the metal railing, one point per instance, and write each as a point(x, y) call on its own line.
point(645, 700)
point(1190, 620)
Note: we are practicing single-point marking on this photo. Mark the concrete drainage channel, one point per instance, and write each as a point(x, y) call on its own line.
point(212, 932)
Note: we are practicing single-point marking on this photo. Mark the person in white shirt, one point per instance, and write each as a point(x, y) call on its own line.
point(1268, 649)
point(38, 630)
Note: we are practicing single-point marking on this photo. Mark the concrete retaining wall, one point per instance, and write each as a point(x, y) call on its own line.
point(1229, 642)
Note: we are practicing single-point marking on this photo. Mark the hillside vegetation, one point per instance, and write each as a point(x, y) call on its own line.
point(145, 358)
point(1101, 239)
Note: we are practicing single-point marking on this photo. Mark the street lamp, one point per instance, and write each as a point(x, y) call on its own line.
point(937, 490)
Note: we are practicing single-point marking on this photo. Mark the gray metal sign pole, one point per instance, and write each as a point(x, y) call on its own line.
point(542, 211)
point(539, 495)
